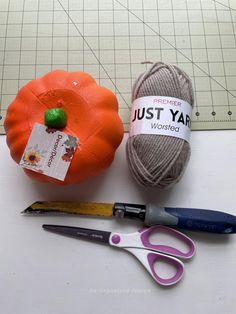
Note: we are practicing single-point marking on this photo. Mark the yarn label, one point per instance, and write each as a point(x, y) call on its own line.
point(49, 152)
point(161, 115)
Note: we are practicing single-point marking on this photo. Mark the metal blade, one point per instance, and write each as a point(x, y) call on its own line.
point(78, 208)
point(80, 233)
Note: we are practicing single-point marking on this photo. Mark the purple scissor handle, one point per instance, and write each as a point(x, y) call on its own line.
point(149, 254)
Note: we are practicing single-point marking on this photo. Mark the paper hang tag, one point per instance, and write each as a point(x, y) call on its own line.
point(161, 115)
point(49, 152)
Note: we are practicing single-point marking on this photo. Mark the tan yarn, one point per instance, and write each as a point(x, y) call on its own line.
point(159, 160)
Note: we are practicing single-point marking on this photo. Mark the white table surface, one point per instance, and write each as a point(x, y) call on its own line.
point(44, 273)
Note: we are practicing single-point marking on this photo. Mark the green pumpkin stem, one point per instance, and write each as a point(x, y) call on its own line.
point(55, 118)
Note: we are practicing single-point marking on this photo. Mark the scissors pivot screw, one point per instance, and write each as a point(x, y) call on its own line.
point(115, 239)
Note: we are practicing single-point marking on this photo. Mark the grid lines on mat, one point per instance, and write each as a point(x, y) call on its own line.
point(110, 39)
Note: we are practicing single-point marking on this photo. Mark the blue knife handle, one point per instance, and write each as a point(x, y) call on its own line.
point(191, 219)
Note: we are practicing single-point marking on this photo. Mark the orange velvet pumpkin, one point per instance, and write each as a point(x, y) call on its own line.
point(92, 116)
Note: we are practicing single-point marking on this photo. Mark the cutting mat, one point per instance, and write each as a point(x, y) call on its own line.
point(110, 39)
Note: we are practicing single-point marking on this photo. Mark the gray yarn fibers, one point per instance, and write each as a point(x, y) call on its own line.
point(159, 160)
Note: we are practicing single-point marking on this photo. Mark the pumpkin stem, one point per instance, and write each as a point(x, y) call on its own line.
point(55, 118)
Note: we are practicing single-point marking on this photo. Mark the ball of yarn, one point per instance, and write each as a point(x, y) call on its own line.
point(159, 160)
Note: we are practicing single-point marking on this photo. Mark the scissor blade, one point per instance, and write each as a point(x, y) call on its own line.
point(80, 233)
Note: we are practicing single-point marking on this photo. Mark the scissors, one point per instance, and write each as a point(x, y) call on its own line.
point(138, 243)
